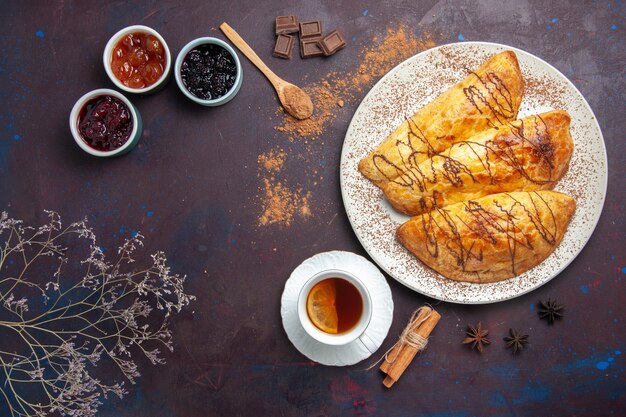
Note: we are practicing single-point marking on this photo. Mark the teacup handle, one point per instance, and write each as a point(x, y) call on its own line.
point(368, 343)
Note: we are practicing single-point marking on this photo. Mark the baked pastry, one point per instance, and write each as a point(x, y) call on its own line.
point(491, 238)
point(528, 154)
point(487, 97)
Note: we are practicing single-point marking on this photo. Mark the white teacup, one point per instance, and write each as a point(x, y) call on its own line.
point(357, 332)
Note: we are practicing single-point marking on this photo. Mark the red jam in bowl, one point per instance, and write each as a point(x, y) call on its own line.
point(138, 60)
point(105, 123)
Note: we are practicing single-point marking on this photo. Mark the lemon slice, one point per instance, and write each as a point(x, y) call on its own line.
point(320, 306)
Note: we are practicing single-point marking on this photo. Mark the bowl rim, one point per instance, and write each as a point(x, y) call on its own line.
point(74, 114)
point(178, 66)
point(108, 51)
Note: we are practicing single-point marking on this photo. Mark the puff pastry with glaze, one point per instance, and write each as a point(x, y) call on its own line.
point(491, 238)
point(487, 97)
point(528, 154)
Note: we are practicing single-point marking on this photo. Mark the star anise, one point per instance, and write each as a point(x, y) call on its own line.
point(476, 337)
point(550, 310)
point(516, 341)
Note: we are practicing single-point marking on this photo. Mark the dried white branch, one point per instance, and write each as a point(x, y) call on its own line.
point(105, 314)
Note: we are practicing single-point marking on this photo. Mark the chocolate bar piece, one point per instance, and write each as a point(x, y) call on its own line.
point(284, 46)
point(331, 43)
point(309, 48)
point(310, 29)
point(286, 25)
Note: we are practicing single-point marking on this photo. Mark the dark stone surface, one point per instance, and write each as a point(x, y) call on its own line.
point(191, 187)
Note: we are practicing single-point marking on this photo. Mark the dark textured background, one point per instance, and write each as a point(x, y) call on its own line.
point(191, 187)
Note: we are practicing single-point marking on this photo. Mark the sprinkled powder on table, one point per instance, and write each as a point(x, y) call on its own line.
point(272, 160)
point(280, 203)
point(337, 88)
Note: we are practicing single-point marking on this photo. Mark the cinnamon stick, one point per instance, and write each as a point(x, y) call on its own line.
point(395, 351)
point(404, 353)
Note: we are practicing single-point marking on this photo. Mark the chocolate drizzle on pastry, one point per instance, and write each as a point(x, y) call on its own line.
point(487, 97)
point(498, 101)
point(528, 154)
point(487, 224)
point(502, 147)
point(491, 238)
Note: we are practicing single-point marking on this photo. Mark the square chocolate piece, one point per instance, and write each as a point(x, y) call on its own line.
point(309, 48)
point(286, 25)
point(310, 29)
point(331, 43)
point(284, 46)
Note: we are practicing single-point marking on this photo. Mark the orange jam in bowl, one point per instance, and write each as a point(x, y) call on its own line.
point(137, 59)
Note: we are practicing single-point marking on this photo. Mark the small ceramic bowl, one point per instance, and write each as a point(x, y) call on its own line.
point(178, 66)
point(135, 133)
point(107, 58)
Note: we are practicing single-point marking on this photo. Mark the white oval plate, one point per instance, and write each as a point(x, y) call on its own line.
point(382, 308)
point(410, 86)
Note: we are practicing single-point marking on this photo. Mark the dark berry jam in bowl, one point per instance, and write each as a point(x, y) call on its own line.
point(208, 71)
point(137, 60)
point(105, 123)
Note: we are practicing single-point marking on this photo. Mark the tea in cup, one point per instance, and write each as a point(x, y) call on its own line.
point(335, 308)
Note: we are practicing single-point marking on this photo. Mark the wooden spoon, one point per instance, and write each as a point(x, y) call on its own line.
point(294, 100)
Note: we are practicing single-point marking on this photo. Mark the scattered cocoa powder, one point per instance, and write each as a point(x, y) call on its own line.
point(280, 204)
point(338, 88)
point(397, 45)
point(324, 101)
point(272, 161)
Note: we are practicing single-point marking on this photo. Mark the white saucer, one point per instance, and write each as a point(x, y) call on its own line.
point(382, 308)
